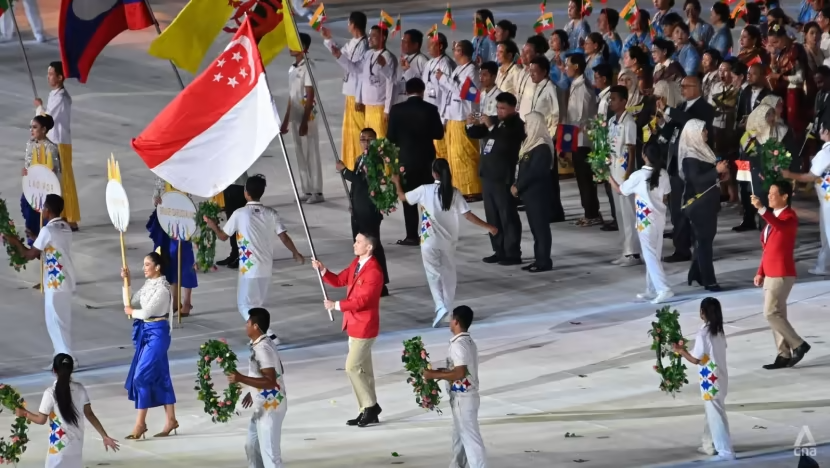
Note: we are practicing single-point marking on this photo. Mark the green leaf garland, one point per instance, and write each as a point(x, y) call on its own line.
point(205, 242)
point(379, 163)
point(774, 158)
point(600, 154)
point(8, 230)
point(11, 451)
point(666, 333)
point(416, 360)
point(220, 409)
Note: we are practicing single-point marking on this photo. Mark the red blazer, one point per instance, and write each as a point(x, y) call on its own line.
point(361, 307)
point(777, 260)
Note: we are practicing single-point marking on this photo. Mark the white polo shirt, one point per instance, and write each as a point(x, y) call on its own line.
point(255, 226)
point(66, 441)
point(298, 81)
point(712, 373)
point(55, 243)
point(439, 228)
point(463, 352)
point(621, 133)
point(264, 355)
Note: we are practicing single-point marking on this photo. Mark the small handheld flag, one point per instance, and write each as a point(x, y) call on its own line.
point(479, 30)
point(469, 92)
point(318, 18)
point(386, 21)
point(308, 3)
point(543, 5)
point(544, 23)
point(491, 29)
point(587, 8)
point(432, 34)
point(397, 29)
point(567, 137)
point(629, 12)
point(756, 60)
point(739, 10)
point(448, 21)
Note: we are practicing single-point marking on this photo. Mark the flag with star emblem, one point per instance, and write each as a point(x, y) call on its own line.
point(469, 91)
point(629, 12)
point(386, 21)
point(544, 23)
point(398, 27)
point(216, 128)
point(587, 8)
point(432, 34)
point(491, 29)
point(448, 21)
point(318, 18)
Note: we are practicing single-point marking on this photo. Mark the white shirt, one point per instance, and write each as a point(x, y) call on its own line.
point(433, 93)
point(66, 442)
point(264, 355)
point(488, 102)
point(376, 82)
point(298, 80)
point(454, 107)
point(417, 64)
point(820, 167)
point(603, 100)
point(546, 102)
point(718, 88)
point(582, 107)
point(59, 107)
point(621, 133)
point(768, 229)
point(825, 47)
point(507, 78)
point(648, 203)
point(255, 226)
point(463, 352)
point(712, 373)
point(55, 243)
point(360, 263)
point(353, 50)
point(525, 89)
point(439, 228)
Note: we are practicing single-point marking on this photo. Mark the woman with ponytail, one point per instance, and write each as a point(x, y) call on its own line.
point(62, 406)
point(440, 205)
point(650, 185)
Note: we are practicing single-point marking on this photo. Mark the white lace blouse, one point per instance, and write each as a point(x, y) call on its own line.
point(153, 300)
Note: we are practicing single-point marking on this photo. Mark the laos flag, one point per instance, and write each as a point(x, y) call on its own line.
point(87, 26)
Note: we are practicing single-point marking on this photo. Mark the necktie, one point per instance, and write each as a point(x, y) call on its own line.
point(356, 269)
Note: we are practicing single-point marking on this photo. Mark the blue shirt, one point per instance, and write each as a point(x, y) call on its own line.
point(722, 41)
point(589, 68)
point(806, 12)
point(688, 58)
point(560, 79)
point(485, 48)
point(703, 33)
point(577, 32)
point(614, 48)
point(634, 40)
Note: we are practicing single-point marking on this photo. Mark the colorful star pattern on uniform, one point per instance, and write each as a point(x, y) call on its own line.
point(426, 225)
point(825, 185)
point(708, 378)
point(53, 267)
point(246, 254)
point(273, 398)
point(643, 213)
point(461, 386)
point(57, 437)
point(623, 162)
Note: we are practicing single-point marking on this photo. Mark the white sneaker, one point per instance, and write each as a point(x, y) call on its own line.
point(817, 272)
point(663, 297)
point(316, 198)
point(710, 450)
point(723, 457)
point(439, 316)
point(619, 260)
point(630, 261)
point(304, 197)
point(646, 295)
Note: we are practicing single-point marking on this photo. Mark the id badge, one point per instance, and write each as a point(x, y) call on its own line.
point(346, 78)
point(431, 93)
point(488, 146)
point(374, 80)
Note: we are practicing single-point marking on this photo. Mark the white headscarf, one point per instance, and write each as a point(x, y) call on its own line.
point(693, 145)
point(756, 123)
point(536, 131)
point(781, 127)
point(634, 97)
point(670, 90)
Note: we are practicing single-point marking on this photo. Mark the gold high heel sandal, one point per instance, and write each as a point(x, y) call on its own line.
point(140, 435)
point(167, 433)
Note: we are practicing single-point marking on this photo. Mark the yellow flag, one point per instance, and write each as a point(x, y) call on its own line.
point(285, 34)
point(187, 40)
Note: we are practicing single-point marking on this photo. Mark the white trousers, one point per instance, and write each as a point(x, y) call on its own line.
point(651, 244)
point(264, 433)
point(627, 222)
point(251, 293)
point(716, 427)
point(308, 158)
point(439, 265)
point(467, 444)
point(32, 14)
point(59, 320)
point(823, 260)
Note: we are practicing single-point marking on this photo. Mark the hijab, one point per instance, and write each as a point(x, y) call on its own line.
point(693, 145)
point(634, 96)
point(781, 127)
point(670, 90)
point(756, 123)
point(536, 133)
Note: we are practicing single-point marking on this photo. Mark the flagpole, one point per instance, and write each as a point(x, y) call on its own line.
point(22, 48)
point(158, 31)
point(319, 102)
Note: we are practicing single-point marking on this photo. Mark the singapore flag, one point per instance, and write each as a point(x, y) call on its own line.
point(216, 128)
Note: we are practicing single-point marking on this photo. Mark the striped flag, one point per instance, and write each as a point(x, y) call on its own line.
point(448, 21)
point(386, 21)
point(739, 10)
point(308, 3)
point(318, 18)
point(629, 12)
point(432, 34)
point(543, 5)
point(397, 29)
point(479, 30)
point(587, 8)
point(491, 29)
point(756, 60)
point(544, 23)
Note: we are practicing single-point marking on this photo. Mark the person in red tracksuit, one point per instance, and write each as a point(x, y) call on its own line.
point(361, 321)
point(777, 272)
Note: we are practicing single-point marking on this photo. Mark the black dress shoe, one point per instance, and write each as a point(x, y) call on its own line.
point(713, 288)
point(610, 227)
point(234, 264)
point(384, 292)
point(510, 261)
point(675, 258)
point(668, 235)
point(780, 363)
point(226, 261)
point(528, 267)
point(557, 219)
point(798, 354)
point(355, 421)
point(491, 259)
point(370, 416)
point(520, 208)
point(744, 227)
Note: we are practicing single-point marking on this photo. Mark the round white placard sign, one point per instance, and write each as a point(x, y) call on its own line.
point(177, 215)
point(38, 182)
point(118, 206)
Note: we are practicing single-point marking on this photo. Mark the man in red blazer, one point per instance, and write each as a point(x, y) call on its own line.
point(777, 272)
point(361, 321)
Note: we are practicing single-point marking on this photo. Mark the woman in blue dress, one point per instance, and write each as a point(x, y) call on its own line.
point(640, 34)
point(700, 30)
point(596, 52)
point(148, 382)
point(687, 55)
point(577, 28)
point(38, 145)
point(169, 250)
point(558, 54)
point(723, 23)
point(607, 23)
point(484, 48)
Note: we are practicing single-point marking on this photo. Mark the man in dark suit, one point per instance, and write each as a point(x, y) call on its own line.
point(366, 217)
point(695, 107)
point(413, 125)
point(751, 96)
point(501, 140)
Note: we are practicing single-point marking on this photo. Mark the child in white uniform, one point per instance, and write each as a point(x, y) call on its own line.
point(709, 354)
point(649, 186)
point(265, 375)
point(60, 408)
point(461, 375)
point(441, 204)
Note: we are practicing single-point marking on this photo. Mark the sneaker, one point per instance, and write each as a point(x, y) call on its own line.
point(646, 295)
point(630, 261)
point(316, 198)
point(439, 315)
point(708, 450)
point(817, 272)
point(663, 297)
point(304, 197)
point(723, 457)
point(619, 260)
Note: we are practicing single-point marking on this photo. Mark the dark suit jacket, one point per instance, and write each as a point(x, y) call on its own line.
point(362, 205)
point(534, 181)
point(746, 105)
point(822, 107)
point(700, 110)
point(413, 125)
point(499, 164)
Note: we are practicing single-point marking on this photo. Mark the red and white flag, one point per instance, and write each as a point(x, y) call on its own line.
point(216, 128)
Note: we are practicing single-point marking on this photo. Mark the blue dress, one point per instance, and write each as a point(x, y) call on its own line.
point(806, 13)
point(485, 48)
point(589, 69)
point(148, 382)
point(170, 249)
point(577, 32)
point(688, 58)
point(703, 33)
point(722, 41)
point(634, 40)
point(615, 51)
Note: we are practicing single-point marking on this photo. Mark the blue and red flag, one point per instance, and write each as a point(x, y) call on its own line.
point(87, 26)
point(469, 92)
point(567, 137)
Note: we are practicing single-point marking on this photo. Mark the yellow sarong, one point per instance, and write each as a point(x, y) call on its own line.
point(71, 207)
point(353, 123)
point(463, 156)
point(376, 120)
point(441, 147)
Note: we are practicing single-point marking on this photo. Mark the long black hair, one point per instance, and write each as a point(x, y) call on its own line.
point(602, 46)
point(711, 311)
point(655, 161)
point(445, 189)
point(63, 365)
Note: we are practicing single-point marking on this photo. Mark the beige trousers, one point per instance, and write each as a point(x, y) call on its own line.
point(360, 371)
point(776, 292)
